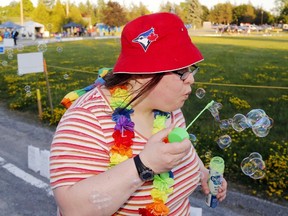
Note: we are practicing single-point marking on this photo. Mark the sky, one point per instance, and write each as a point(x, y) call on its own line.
point(153, 5)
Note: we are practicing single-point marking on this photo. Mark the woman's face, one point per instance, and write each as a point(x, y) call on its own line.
point(171, 92)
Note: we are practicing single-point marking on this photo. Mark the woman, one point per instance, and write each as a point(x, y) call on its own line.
point(110, 154)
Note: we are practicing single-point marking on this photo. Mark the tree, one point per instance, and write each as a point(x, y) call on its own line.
point(114, 15)
point(222, 13)
point(205, 14)
point(58, 16)
point(13, 9)
point(244, 14)
point(193, 12)
point(135, 11)
point(263, 17)
point(88, 12)
point(215, 14)
point(75, 15)
point(100, 15)
point(283, 18)
point(41, 14)
point(280, 4)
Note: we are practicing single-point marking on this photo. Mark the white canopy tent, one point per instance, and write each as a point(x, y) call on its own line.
point(32, 29)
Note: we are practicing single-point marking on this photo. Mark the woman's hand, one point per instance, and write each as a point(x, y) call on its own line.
point(222, 191)
point(162, 157)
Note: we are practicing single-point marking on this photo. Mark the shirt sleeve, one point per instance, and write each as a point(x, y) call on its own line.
point(78, 148)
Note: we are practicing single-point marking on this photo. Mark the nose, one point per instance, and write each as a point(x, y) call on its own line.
point(190, 79)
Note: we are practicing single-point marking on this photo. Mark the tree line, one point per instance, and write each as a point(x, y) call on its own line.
point(54, 13)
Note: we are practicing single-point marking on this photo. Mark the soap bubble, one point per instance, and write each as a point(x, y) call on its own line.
point(10, 56)
point(247, 166)
point(200, 93)
point(239, 122)
point(59, 49)
point(4, 63)
point(217, 105)
point(253, 166)
point(214, 110)
point(224, 141)
point(259, 163)
point(260, 131)
point(42, 47)
point(224, 124)
point(66, 76)
point(258, 174)
point(27, 88)
point(263, 122)
point(255, 155)
point(9, 51)
point(254, 115)
point(49, 26)
point(193, 139)
point(28, 93)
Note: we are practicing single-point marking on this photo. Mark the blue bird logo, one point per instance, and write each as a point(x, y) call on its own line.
point(146, 38)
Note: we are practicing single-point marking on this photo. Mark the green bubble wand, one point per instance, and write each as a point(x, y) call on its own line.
point(178, 134)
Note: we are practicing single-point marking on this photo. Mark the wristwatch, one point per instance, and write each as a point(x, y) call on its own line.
point(145, 173)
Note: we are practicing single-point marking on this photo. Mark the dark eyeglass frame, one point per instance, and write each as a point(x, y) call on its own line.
point(184, 76)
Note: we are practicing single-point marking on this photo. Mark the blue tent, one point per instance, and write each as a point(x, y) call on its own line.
point(10, 25)
point(72, 24)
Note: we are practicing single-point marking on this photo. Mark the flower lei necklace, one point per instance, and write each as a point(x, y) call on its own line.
point(121, 149)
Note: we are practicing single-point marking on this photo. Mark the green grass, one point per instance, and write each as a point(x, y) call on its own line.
point(259, 64)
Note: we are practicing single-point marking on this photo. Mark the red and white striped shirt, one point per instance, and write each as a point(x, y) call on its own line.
point(81, 147)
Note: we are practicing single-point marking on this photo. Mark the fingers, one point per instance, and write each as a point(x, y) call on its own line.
point(179, 148)
point(222, 191)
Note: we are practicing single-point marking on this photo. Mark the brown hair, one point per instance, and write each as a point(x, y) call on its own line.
point(113, 80)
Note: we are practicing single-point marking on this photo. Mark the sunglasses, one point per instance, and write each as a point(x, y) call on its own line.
point(184, 74)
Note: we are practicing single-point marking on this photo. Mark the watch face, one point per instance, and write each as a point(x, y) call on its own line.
point(147, 175)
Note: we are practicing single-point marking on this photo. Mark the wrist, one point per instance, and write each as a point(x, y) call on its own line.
point(145, 173)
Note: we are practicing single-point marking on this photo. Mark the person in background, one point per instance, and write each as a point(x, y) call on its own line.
point(14, 35)
point(6, 33)
point(110, 154)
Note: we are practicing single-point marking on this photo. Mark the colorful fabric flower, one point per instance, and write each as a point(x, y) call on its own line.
point(124, 123)
point(120, 97)
point(158, 124)
point(123, 138)
point(158, 208)
point(117, 158)
point(121, 149)
point(118, 112)
point(163, 181)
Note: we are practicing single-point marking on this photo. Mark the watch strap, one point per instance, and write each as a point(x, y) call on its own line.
point(142, 169)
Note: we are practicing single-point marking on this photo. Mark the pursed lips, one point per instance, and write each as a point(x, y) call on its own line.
point(187, 95)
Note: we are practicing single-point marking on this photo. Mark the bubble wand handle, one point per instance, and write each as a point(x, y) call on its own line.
point(206, 107)
point(178, 134)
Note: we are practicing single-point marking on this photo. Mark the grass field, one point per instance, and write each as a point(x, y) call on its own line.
point(242, 73)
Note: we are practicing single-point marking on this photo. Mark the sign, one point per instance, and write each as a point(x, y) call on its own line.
point(2, 49)
point(8, 42)
point(30, 63)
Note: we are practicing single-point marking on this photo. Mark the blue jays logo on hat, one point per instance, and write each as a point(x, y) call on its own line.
point(146, 38)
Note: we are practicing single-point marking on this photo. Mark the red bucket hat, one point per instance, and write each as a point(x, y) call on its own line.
point(156, 43)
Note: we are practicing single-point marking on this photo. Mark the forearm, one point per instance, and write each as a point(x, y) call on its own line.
point(101, 194)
